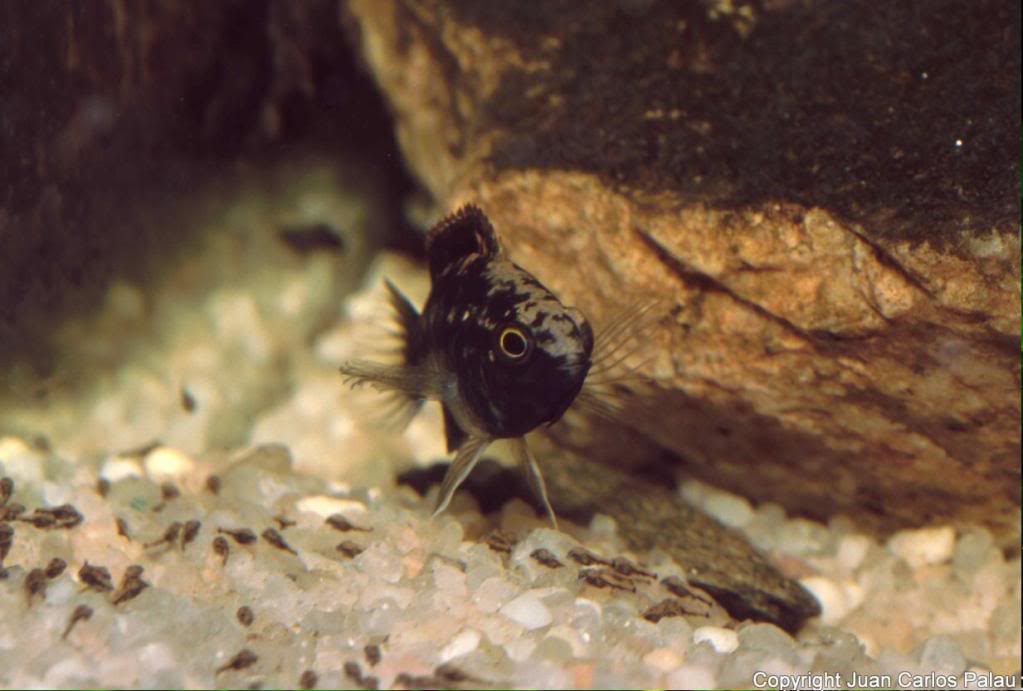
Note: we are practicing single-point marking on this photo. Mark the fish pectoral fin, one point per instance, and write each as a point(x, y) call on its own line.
point(454, 434)
point(534, 477)
point(410, 382)
point(395, 414)
point(414, 382)
point(465, 460)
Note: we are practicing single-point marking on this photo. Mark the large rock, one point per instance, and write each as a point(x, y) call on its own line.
point(826, 196)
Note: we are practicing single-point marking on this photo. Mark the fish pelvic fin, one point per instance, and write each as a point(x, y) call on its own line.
point(465, 460)
point(464, 233)
point(531, 469)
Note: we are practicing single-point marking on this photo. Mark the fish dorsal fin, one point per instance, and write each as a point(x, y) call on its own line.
point(410, 328)
point(466, 232)
point(454, 434)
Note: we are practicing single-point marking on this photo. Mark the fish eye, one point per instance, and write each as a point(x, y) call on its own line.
point(514, 343)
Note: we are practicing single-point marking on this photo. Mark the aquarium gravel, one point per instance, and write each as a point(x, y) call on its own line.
point(363, 588)
point(215, 509)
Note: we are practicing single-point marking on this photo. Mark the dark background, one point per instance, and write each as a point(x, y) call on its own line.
point(109, 109)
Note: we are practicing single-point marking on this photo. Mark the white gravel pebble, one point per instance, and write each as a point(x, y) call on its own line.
point(20, 461)
point(723, 640)
point(691, 677)
point(528, 611)
point(832, 598)
point(119, 468)
point(664, 659)
point(851, 550)
point(728, 508)
point(157, 656)
point(462, 644)
point(328, 506)
point(923, 546)
point(492, 593)
point(166, 463)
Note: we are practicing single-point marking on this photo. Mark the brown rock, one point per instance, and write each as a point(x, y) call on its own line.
point(825, 195)
point(716, 559)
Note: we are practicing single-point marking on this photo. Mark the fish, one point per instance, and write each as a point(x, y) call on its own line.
point(496, 348)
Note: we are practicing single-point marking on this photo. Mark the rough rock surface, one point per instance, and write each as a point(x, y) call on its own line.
point(825, 194)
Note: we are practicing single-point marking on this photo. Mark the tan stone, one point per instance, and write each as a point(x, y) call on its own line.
point(820, 345)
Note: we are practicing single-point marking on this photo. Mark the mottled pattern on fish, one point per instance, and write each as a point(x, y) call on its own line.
point(499, 351)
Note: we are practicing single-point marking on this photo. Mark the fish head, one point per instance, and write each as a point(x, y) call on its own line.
point(535, 354)
point(519, 355)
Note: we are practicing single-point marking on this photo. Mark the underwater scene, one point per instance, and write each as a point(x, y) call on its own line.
point(460, 344)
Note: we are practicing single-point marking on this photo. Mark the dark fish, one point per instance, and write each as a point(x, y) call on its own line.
point(495, 347)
